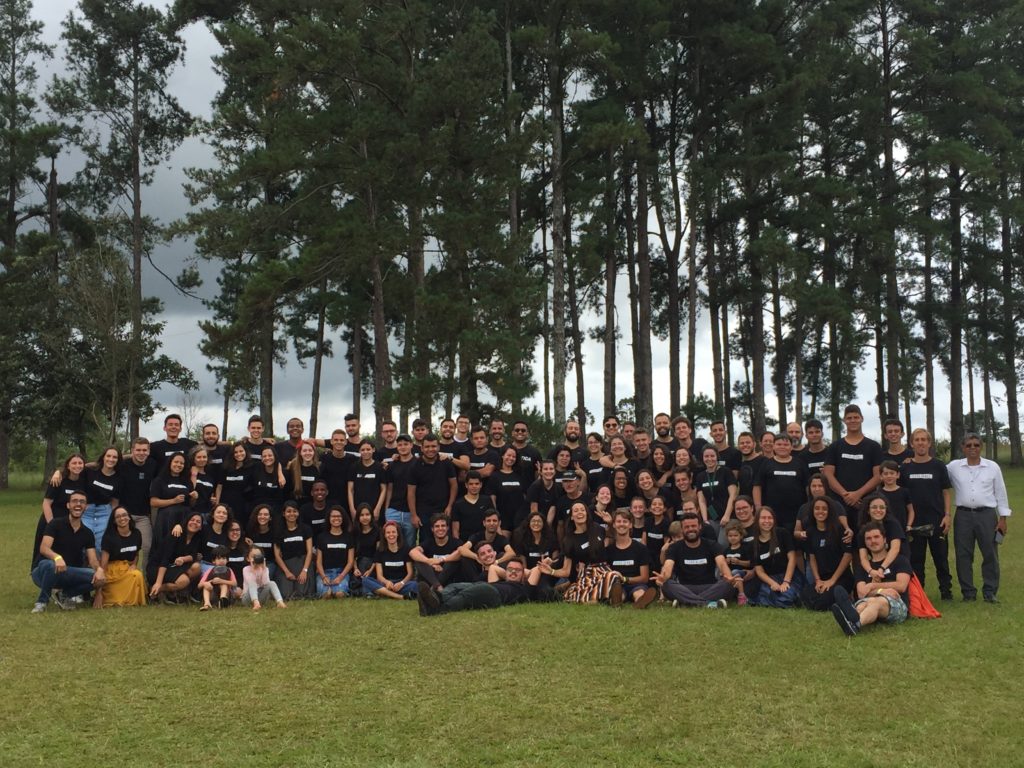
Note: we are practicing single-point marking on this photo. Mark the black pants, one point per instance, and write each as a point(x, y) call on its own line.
point(449, 574)
point(939, 546)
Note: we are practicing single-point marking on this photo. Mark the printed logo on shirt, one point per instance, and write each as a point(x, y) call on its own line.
point(853, 456)
point(104, 486)
point(701, 561)
point(623, 562)
point(928, 476)
point(784, 473)
point(289, 539)
point(342, 545)
point(130, 549)
point(394, 563)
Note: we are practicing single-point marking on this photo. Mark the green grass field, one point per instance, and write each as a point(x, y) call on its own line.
point(370, 683)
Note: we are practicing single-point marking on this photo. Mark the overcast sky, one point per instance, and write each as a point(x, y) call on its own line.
point(195, 85)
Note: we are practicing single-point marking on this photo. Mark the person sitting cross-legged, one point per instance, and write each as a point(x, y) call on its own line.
point(695, 571)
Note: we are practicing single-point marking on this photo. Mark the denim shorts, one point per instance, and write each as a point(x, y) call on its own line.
point(897, 608)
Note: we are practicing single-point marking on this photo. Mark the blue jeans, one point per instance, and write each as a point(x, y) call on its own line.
point(72, 582)
point(95, 519)
point(768, 599)
point(332, 573)
point(404, 520)
point(371, 585)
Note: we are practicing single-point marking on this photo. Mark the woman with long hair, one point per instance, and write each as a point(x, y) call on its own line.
point(119, 558)
point(235, 478)
point(302, 471)
point(775, 563)
point(584, 562)
point(103, 491)
point(829, 558)
point(392, 576)
point(55, 499)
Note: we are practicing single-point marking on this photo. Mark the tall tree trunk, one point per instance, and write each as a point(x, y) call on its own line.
point(135, 358)
point(557, 228)
point(644, 395)
point(972, 414)
point(714, 308)
point(880, 399)
point(574, 327)
point(956, 396)
point(357, 370)
point(691, 310)
point(634, 315)
point(611, 270)
point(225, 413)
point(1008, 336)
point(780, 349)
point(267, 370)
point(889, 209)
point(757, 331)
point(929, 308)
point(420, 354)
point(318, 358)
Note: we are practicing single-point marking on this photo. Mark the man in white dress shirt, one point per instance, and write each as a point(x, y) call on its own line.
point(981, 511)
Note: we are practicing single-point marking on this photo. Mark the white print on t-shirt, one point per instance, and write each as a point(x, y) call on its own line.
point(623, 562)
point(394, 563)
point(292, 538)
point(337, 546)
point(702, 561)
point(929, 476)
point(98, 484)
point(854, 456)
point(130, 549)
point(784, 473)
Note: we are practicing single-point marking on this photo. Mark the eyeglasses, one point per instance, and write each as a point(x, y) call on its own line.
point(972, 445)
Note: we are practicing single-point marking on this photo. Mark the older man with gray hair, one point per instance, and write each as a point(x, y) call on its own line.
point(981, 511)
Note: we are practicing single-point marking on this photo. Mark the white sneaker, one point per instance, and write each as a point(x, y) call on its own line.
point(64, 603)
point(39, 608)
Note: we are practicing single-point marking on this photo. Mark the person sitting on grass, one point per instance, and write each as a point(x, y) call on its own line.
point(506, 585)
point(739, 554)
point(122, 543)
point(335, 557)
point(257, 586)
point(293, 553)
point(695, 571)
point(775, 563)
point(882, 590)
point(219, 578)
point(437, 557)
point(65, 549)
point(631, 560)
point(392, 573)
point(179, 561)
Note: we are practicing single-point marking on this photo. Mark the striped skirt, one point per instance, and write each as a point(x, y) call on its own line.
point(593, 583)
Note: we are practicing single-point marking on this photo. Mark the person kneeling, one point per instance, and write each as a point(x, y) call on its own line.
point(882, 590)
point(220, 578)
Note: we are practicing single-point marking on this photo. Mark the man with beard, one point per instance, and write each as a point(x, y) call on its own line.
point(216, 452)
point(882, 599)
point(663, 432)
point(796, 437)
point(528, 458)
point(497, 435)
point(67, 558)
point(432, 484)
point(572, 437)
point(750, 465)
point(642, 447)
point(353, 435)
point(389, 443)
point(448, 447)
point(695, 570)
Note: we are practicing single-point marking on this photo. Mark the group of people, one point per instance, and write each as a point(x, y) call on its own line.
point(472, 517)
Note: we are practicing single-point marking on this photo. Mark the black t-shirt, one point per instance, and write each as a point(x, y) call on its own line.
point(367, 482)
point(925, 481)
point(211, 540)
point(534, 552)
point(564, 504)
point(69, 543)
point(334, 549)
point(264, 487)
point(774, 560)
point(336, 472)
point(813, 462)
point(731, 458)
point(480, 460)
point(854, 464)
point(120, 547)
point(509, 492)
point(470, 515)
point(166, 488)
point(898, 500)
point(452, 450)
point(60, 494)
point(285, 452)
point(234, 488)
point(265, 542)
point(237, 563)
point(748, 473)
point(204, 488)
point(399, 473)
point(900, 457)
point(597, 475)
point(161, 450)
point(740, 557)
point(694, 565)
point(901, 564)
point(292, 543)
point(543, 497)
point(513, 592)
point(784, 489)
point(433, 488)
point(827, 553)
point(181, 546)
point(366, 543)
point(385, 455)
point(630, 560)
point(315, 518)
point(499, 542)
point(136, 480)
point(528, 460)
point(217, 456)
point(255, 450)
point(307, 476)
point(579, 549)
point(893, 531)
point(715, 489)
point(657, 535)
point(434, 550)
point(101, 489)
point(393, 564)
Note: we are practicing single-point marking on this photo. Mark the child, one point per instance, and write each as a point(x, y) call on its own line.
point(900, 506)
point(220, 578)
point(739, 555)
point(258, 585)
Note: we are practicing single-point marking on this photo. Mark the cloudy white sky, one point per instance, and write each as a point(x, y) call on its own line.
point(195, 85)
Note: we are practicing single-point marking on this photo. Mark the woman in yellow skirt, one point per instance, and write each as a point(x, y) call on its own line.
point(122, 543)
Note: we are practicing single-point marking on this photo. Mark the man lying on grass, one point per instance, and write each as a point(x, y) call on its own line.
point(882, 589)
point(504, 586)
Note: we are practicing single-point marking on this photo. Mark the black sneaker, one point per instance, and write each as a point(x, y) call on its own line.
point(947, 596)
point(846, 605)
point(849, 628)
point(430, 602)
point(991, 599)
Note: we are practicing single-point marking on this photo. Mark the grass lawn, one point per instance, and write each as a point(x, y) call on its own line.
point(370, 683)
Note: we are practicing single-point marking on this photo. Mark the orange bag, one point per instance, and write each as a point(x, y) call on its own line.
point(920, 606)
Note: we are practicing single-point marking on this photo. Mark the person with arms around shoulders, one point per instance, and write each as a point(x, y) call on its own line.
point(882, 592)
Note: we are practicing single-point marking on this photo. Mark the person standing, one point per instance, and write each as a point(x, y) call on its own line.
point(927, 481)
point(852, 464)
point(981, 511)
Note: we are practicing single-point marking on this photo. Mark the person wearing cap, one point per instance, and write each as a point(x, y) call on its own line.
point(397, 476)
point(852, 464)
point(67, 558)
point(982, 509)
point(572, 493)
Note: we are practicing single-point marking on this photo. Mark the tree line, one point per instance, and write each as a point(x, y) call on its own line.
point(453, 195)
